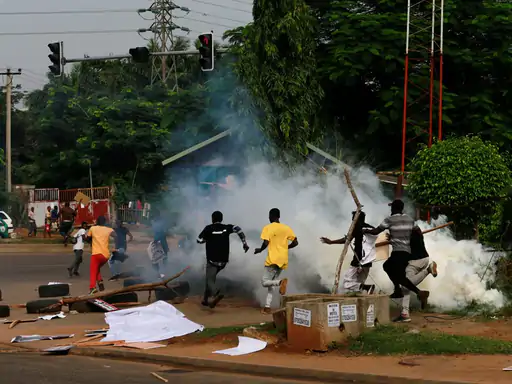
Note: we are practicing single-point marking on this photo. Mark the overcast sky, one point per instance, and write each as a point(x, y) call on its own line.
point(30, 52)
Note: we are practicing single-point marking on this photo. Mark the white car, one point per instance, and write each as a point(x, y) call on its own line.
point(7, 220)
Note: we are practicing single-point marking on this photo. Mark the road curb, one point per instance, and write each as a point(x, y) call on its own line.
point(325, 376)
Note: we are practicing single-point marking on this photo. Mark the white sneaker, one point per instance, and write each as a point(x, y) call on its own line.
point(162, 275)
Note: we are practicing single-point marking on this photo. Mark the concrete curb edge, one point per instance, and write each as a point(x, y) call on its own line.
point(251, 369)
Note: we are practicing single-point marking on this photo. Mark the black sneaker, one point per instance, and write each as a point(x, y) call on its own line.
point(403, 318)
point(76, 274)
point(204, 303)
point(115, 277)
point(216, 301)
point(423, 298)
point(396, 295)
point(70, 272)
point(101, 287)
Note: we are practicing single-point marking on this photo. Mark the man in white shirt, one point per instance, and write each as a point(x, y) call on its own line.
point(78, 249)
point(32, 222)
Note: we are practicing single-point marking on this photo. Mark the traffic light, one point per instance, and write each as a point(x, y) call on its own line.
point(206, 53)
point(57, 67)
point(139, 54)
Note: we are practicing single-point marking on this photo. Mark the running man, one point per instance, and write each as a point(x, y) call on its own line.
point(32, 223)
point(364, 254)
point(100, 236)
point(275, 236)
point(400, 228)
point(216, 237)
point(417, 270)
point(67, 217)
point(78, 250)
point(119, 254)
point(159, 249)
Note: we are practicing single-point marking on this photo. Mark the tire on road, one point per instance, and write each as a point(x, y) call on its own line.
point(5, 311)
point(168, 294)
point(40, 306)
point(55, 290)
point(127, 297)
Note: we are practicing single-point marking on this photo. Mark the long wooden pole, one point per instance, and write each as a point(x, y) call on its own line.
point(382, 243)
point(350, 232)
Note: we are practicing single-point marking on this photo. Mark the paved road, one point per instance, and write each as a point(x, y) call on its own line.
point(35, 369)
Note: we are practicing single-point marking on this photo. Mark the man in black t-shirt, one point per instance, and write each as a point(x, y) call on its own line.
point(216, 237)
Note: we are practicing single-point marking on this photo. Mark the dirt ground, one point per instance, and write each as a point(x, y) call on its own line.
point(235, 312)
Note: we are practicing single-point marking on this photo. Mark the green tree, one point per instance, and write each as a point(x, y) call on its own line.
point(275, 60)
point(465, 176)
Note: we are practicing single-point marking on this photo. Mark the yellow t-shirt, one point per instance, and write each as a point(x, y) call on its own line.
point(278, 235)
point(100, 237)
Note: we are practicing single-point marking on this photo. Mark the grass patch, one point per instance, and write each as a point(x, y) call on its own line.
point(398, 340)
point(30, 240)
point(213, 332)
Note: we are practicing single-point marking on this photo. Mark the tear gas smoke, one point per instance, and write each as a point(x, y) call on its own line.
point(321, 205)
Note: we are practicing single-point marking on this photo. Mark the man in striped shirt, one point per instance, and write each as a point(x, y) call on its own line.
point(400, 227)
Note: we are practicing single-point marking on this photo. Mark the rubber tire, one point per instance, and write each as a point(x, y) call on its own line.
point(127, 297)
point(167, 294)
point(37, 306)
point(56, 290)
point(5, 311)
point(134, 281)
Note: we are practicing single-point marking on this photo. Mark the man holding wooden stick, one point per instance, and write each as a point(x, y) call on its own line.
point(400, 228)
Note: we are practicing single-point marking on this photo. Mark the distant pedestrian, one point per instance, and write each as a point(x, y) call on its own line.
point(32, 227)
point(48, 222)
point(216, 237)
point(78, 250)
point(100, 236)
point(158, 249)
point(119, 254)
point(276, 236)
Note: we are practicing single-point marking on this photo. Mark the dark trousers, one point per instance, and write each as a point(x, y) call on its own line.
point(211, 288)
point(77, 261)
point(395, 268)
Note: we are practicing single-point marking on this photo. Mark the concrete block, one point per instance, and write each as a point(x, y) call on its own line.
point(373, 310)
point(315, 323)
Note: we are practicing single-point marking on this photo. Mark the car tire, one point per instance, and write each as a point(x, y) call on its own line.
point(127, 297)
point(55, 290)
point(40, 306)
point(5, 311)
point(167, 294)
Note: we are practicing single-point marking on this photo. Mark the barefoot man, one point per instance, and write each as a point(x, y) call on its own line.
point(275, 236)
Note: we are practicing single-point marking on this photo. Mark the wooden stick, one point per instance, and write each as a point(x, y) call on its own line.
point(350, 232)
point(89, 339)
point(159, 377)
point(382, 243)
point(133, 288)
point(14, 323)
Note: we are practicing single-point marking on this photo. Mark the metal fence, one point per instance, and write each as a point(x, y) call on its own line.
point(45, 194)
point(132, 215)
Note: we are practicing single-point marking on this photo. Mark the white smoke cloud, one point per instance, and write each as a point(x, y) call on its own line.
point(321, 205)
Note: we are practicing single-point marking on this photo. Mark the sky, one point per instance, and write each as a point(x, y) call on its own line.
point(30, 51)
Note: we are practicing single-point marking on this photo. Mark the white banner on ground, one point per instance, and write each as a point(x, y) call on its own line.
point(155, 322)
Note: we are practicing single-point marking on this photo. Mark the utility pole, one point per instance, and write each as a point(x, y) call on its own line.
point(8, 109)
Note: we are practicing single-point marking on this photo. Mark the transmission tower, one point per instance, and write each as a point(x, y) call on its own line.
point(164, 68)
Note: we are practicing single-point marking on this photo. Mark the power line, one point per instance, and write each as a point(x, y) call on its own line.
point(221, 6)
point(208, 22)
point(217, 16)
point(242, 2)
point(73, 32)
point(89, 11)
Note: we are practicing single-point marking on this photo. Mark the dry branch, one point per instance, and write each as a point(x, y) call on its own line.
point(133, 288)
point(350, 232)
point(382, 243)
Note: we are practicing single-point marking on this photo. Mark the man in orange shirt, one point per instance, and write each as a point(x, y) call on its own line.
point(100, 236)
point(276, 236)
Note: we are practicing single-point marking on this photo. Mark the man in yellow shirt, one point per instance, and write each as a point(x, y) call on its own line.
point(100, 236)
point(275, 236)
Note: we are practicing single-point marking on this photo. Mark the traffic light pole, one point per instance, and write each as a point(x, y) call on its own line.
point(121, 57)
point(8, 109)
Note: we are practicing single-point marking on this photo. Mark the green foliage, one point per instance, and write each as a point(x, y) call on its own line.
point(466, 176)
point(276, 62)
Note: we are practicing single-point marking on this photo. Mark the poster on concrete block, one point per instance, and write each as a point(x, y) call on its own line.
point(348, 313)
point(302, 317)
point(333, 315)
point(370, 316)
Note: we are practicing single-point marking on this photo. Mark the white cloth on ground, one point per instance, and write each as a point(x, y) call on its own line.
point(154, 322)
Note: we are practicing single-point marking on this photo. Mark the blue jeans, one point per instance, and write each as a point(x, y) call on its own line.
point(115, 265)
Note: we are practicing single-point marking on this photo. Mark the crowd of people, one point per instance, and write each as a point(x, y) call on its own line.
point(407, 266)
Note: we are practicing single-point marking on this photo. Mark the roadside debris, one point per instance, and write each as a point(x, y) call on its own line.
point(26, 339)
point(246, 345)
point(61, 350)
point(508, 368)
point(60, 315)
point(159, 377)
point(155, 322)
